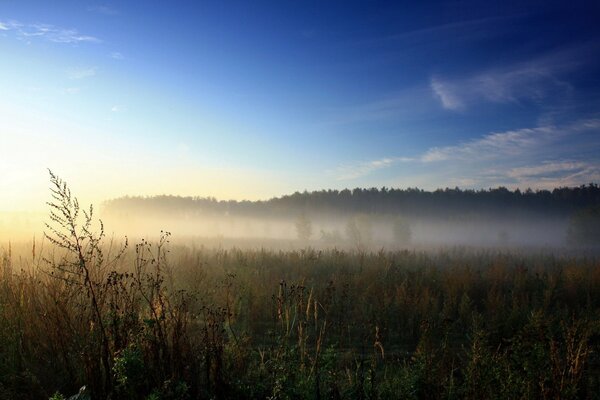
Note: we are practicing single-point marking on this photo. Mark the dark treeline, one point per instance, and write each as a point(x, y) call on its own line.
point(445, 203)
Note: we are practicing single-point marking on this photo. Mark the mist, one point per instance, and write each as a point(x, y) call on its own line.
point(367, 219)
point(361, 219)
point(373, 231)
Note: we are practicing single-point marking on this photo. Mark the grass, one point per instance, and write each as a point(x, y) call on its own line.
point(167, 321)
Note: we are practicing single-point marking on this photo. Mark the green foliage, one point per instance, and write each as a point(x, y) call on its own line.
point(128, 370)
point(171, 390)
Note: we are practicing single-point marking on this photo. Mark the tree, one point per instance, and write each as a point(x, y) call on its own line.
point(359, 231)
point(332, 237)
point(584, 227)
point(303, 228)
point(401, 231)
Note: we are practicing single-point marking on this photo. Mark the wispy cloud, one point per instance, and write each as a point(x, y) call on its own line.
point(81, 73)
point(551, 174)
point(538, 157)
point(358, 170)
point(407, 104)
point(471, 29)
point(116, 55)
point(511, 86)
point(538, 80)
point(494, 145)
point(118, 109)
point(103, 9)
point(47, 32)
point(508, 144)
point(446, 95)
point(72, 90)
point(546, 169)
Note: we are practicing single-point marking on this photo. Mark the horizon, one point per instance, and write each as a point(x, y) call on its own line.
point(256, 101)
point(352, 189)
point(103, 202)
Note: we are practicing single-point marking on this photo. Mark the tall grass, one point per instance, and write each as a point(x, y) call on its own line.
point(157, 320)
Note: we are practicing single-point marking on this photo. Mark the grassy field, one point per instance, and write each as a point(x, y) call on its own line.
point(161, 320)
point(171, 322)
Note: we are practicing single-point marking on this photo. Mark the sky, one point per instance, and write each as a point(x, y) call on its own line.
point(254, 99)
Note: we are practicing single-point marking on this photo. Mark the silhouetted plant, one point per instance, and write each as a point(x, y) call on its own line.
point(82, 265)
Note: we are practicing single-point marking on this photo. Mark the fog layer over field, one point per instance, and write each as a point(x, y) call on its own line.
point(363, 219)
point(362, 230)
point(373, 218)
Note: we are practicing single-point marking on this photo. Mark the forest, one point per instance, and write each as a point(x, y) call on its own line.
point(446, 203)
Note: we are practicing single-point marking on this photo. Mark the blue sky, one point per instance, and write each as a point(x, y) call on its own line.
point(259, 99)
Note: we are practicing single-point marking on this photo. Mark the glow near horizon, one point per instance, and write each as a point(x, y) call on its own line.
point(214, 108)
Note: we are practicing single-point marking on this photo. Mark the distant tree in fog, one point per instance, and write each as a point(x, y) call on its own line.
point(331, 237)
point(503, 238)
point(359, 231)
point(442, 203)
point(584, 227)
point(303, 227)
point(401, 231)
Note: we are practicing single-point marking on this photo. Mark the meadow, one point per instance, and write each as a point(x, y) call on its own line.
point(159, 320)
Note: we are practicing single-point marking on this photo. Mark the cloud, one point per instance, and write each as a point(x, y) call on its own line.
point(493, 145)
point(81, 73)
point(412, 103)
point(446, 95)
point(551, 174)
point(539, 80)
point(118, 109)
point(103, 9)
point(72, 90)
point(47, 32)
point(546, 169)
point(511, 143)
point(350, 172)
point(539, 157)
point(465, 30)
point(116, 55)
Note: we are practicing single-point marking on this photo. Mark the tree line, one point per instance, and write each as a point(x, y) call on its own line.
point(441, 203)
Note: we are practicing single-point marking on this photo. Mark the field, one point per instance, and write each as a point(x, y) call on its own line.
point(161, 321)
point(105, 318)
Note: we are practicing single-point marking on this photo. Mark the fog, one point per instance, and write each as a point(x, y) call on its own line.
point(355, 231)
point(361, 219)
